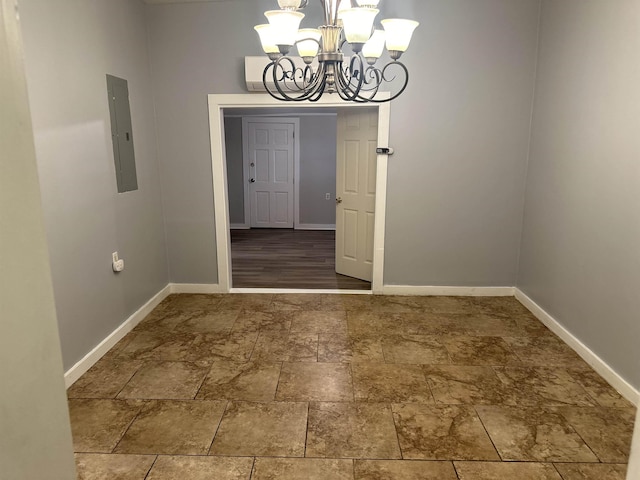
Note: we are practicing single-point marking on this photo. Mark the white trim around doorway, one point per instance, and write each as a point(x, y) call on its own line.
point(217, 105)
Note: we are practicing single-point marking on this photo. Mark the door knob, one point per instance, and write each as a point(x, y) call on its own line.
point(338, 201)
point(253, 180)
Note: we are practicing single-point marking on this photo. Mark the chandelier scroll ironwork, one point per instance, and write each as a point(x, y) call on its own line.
point(322, 66)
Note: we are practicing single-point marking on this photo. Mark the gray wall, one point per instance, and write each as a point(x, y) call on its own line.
point(456, 182)
point(317, 169)
point(70, 45)
point(36, 438)
point(581, 234)
point(235, 174)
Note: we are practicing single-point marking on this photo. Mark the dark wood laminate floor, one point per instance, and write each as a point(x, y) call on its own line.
point(284, 258)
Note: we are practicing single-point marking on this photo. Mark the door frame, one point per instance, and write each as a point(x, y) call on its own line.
point(296, 163)
point(218, 103)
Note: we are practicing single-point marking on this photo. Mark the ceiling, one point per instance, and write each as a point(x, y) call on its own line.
point(183, 1)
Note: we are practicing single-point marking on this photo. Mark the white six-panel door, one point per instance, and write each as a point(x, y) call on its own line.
point(271, 173)
point(356, 191)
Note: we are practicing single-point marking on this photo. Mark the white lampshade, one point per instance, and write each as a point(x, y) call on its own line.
point(266, 38)
point(375, 46)
point(368, 3)
point(399, 32)
point(289, 4)
point(307, 47)
point(285, 25)
point(358, 23)
point(344, 5)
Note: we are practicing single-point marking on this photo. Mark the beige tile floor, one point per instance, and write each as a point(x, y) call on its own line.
point(341, 387)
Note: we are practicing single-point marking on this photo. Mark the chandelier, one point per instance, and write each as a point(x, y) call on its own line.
point(324, 68)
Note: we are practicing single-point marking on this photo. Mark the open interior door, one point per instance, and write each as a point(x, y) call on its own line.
point(356, 191)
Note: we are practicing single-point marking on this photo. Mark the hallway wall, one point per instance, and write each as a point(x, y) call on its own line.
point(581, 236)
point(35, 435)
point(70, 45)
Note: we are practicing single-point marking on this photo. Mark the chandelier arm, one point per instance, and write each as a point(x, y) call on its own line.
point(306, 92)
point(372, 86)
point(315, 82)
point(360, 71)
point(275, 78)
point(367, 94)
point(264, 82)
point(313, 79)
point(287, 74)
point(375, 74)
point(345, 90)
point(319, 92)
point(384, 79)
point(406, 79)
point(348, 91)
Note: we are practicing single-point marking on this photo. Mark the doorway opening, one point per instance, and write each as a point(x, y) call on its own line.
point(288, 259)
point(274, 199)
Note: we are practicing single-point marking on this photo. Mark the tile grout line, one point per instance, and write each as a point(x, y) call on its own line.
point(144, 363)
point(455, 470)
point(595, 400)
point(275, 393)
point(353, 382)
point(253, 467)
point(426, 379)
point(558, 471)
point(306, 432)
point(151, 468)
point(204, 379)
point(475, 409)
point(579, 435)
point(395, 427)
point(218, 427)
point(135, 417)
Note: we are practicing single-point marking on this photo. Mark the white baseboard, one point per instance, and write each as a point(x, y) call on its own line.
point(599, 365)
point(314, 226)
point(75, 372)
point(448, 291)
point(239, 226)
point(194, 288)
